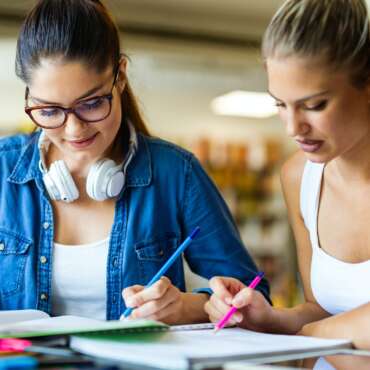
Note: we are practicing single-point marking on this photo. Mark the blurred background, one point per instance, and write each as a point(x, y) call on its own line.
point(195, 67)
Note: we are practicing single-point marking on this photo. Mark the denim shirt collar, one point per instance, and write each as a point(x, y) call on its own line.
point(27, 166)
point(139, 171)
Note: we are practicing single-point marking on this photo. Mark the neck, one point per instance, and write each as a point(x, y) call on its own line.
point(354, 166)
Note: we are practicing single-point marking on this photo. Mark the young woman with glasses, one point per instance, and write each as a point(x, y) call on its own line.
point(91, 204)
point(317, 57)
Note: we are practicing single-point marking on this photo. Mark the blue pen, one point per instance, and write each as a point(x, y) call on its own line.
point(168, 264)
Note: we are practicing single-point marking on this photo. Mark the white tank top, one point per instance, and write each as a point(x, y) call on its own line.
point(336, 285)
point(79, 276)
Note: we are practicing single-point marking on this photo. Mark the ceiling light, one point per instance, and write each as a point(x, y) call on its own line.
point(245, 104)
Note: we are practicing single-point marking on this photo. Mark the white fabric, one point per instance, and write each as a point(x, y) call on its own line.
point(79, 276)
point(336, 285)
point(322, 364)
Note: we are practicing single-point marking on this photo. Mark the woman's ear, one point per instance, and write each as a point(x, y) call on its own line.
point(121, 78)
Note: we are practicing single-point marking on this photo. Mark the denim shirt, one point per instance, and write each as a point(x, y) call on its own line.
point(166, 195)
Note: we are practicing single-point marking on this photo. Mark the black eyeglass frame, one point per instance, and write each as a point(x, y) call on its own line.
point(72, 109)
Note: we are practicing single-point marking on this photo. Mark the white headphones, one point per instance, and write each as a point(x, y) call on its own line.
point(105, 179)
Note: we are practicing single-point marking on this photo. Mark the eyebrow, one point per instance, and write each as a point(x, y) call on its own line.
point(305, 97)
point(85, 95)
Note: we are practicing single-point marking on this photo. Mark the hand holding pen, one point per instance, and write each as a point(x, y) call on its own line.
point(251, 309)
point(159, 298)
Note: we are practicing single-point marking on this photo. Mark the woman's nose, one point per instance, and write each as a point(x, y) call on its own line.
point(74, 125)
point(296, 123)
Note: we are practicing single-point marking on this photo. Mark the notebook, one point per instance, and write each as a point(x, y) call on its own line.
point(193, 349)
point(34, 323)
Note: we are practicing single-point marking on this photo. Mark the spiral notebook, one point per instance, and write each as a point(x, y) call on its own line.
point(33, 323)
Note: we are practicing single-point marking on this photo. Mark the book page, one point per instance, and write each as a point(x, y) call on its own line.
point(174, 348)
point(8, 317)
point(50, 323)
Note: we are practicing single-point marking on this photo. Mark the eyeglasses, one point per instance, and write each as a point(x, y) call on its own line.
point(90, 110)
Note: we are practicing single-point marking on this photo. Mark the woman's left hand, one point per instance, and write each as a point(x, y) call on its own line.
point(162, 301)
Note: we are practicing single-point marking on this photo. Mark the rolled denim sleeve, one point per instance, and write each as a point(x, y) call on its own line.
point(217, 250)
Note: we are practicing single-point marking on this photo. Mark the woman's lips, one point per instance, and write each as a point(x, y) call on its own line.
point(83, 143)
point(310, 146)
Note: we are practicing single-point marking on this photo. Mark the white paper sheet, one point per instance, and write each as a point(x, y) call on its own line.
point(8, 317)
point(174, 349)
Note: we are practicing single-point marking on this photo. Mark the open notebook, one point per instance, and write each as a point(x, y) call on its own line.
point(157, 345)
point(180, 350)
point(33, 323)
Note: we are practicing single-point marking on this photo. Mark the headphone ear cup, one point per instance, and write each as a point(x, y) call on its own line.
point(105, 180)
point(116, 181)
point(59, 183)
point(51, 187)
point(90, 181)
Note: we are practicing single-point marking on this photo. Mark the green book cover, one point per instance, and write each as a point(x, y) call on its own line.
point(65, 325)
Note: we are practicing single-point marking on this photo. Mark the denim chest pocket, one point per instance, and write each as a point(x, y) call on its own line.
point(13, 256)
point(152, 255)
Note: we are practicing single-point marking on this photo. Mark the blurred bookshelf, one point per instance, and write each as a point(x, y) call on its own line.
point(248, 177)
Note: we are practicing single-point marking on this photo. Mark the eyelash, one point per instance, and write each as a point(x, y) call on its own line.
point(92, 103)
point(317, 108)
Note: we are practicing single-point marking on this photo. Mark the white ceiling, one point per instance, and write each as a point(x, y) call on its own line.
point(240, 19)
point(225, 19)
point(233, 18)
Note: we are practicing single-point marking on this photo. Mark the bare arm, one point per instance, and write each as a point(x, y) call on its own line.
point(353, 325)
point(309, 318)
point(254, 313)
point(291, 320)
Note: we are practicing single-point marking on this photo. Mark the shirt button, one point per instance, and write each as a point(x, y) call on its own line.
point(43, 259)
point(115, 262)
point(2, 246)
point(114, 299)
point(45, 225)
point(43, 296)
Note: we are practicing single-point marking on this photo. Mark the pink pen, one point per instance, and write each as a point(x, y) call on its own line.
point(233, 309)
point(23, 345)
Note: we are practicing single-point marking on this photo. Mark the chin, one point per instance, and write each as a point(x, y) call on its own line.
point(318, 158)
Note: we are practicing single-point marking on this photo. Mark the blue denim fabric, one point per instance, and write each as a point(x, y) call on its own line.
point(167, 194)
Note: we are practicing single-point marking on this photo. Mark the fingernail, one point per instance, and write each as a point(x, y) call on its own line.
point(228, 300)
point(134, 315)
point(237, 302)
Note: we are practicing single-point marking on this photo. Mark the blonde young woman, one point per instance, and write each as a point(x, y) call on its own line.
point(317, 55)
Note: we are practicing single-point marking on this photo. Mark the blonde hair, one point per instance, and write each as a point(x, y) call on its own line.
point(337, 31)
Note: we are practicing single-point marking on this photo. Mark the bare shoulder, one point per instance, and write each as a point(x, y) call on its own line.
point(292, 169)
point(291, 177)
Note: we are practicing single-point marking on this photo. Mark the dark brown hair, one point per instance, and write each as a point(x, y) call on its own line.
point(74, 30)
